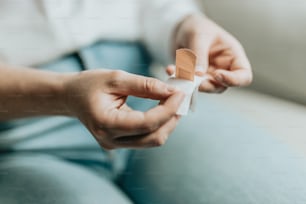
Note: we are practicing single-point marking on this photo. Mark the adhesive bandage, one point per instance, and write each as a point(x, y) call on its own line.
point(185, 79)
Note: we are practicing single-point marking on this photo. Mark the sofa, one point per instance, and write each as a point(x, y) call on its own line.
point(273, 34)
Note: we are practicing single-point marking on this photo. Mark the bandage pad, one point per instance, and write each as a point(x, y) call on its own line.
point(185, 64)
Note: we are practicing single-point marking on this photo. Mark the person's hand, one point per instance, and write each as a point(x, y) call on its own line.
point(98, 97)
point(220, 56)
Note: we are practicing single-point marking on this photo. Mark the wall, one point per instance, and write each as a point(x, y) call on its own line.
point(273, 33)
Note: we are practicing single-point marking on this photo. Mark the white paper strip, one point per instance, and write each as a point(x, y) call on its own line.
point(190, 89)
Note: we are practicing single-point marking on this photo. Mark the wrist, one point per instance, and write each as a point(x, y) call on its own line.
point(63, 92)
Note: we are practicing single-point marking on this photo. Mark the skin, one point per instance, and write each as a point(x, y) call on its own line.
point(221, 56)
point(98, 97)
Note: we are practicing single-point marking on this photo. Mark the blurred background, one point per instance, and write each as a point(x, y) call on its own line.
point(274, 35)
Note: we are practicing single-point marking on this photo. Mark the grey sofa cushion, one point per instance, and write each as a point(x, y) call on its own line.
point(274, 36)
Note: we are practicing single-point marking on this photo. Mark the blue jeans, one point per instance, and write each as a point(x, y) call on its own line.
point(214, 156)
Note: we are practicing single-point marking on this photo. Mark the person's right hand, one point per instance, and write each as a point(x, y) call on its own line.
point(98, 97)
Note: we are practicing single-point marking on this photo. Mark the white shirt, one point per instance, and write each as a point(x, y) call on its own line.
point(36, 31)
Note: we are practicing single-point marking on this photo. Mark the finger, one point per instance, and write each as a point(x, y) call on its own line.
point(218, 49)
point(157, 138)
point(240, 77)
point(209, 87)
point(223, 62)
point(199, 71)
point(241, 60)
point(123, 83)
point(135, 122)
point(170, 70)
point(201, 44)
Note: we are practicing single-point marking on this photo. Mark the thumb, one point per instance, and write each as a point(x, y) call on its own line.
point(241, 77)
point(140, 86)
point(201, 44)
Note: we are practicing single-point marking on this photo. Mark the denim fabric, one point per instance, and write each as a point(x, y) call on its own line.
point(65, 137)
point(215, 156)
point(57, 139)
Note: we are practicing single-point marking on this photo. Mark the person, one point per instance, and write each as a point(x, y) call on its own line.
point(88, 95)
point(93, 57)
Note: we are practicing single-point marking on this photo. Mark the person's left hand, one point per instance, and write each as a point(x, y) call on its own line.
point(220, 55)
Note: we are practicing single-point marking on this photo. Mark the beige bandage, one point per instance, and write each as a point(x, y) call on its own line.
point(185, 79)
point(185, 64)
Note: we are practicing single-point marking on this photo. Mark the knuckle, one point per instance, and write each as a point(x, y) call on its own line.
point(127, 127)
point(237, 83)
point(115, 78)
point(239, 46)
point(206, 89)
point(159, 141)
point(150, 126)
point(103, 136)
point(149, 84)
point(195, 32)
point(98, 130)
point(107, 146)
point(233, 82)
point(221, 90)
point(236, 42)
point(249, 79)
point(104, 141)
point(171, 111)
point(117, 73)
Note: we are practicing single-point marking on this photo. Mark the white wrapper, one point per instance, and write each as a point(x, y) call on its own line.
point(190, 88)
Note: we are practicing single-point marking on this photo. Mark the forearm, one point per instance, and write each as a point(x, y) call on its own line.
point(28, 92)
